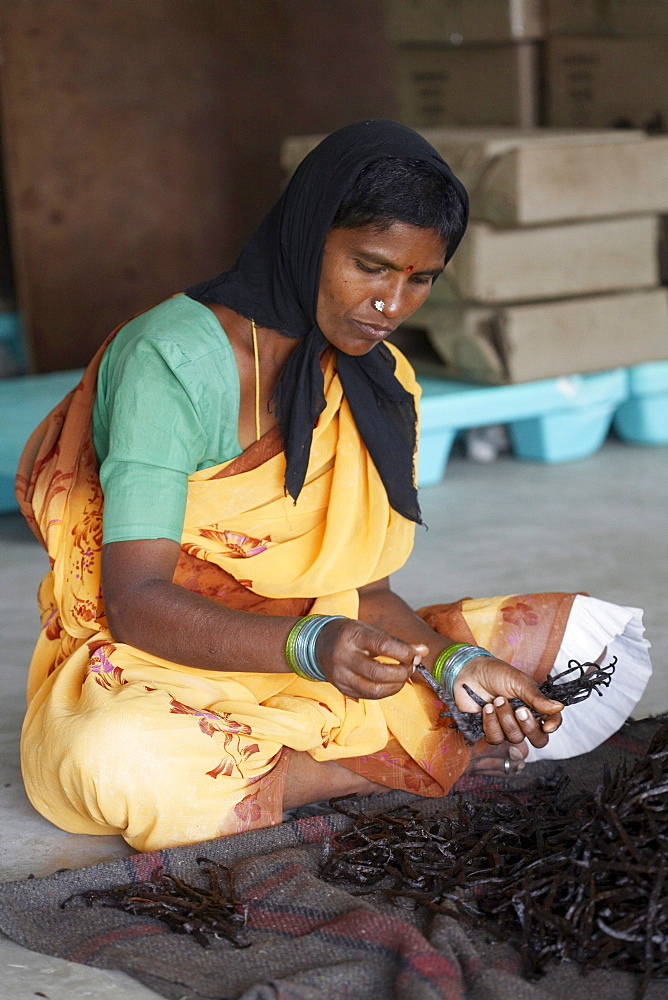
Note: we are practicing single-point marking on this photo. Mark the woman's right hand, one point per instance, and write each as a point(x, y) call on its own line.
point(346, 651)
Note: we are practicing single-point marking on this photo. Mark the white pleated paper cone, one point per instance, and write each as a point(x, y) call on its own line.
point(596, 632)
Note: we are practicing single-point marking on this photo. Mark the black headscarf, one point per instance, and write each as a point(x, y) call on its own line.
point(275, 282)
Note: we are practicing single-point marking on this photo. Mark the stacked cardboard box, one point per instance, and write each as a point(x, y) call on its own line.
point(559, 272)
point(582, 63)
point(463, 21)
point(620, 82)
point(467, 62)
point(625, 18)
point(606, 63)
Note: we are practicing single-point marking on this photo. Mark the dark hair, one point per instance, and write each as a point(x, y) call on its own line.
point(403, 190)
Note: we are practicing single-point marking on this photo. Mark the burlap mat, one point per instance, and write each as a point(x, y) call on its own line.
point(311, 940)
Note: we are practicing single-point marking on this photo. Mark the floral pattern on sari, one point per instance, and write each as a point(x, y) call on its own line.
point(248, 810)
point(53, 625)
point(211, 723)
point(226, 768)
point(238, 546)
point(519, 615)
point(84, 600)
point(105, 673)
point(200, 575)
point(263, 805)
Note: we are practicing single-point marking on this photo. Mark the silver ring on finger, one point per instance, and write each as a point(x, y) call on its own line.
point(507, 764)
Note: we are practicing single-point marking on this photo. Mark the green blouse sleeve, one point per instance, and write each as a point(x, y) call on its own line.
point(160, 415)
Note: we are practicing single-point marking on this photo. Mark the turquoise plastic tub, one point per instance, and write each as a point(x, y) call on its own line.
point(24, 401)
point(553, 420)
point(11, 344)
point(643, 418)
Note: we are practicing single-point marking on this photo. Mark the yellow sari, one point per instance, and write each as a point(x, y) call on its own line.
point(116, 740)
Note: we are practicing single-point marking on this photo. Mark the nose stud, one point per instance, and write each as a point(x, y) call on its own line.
point(379, 305)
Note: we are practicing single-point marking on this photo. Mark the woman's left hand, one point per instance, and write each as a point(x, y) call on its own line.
point(496, 682)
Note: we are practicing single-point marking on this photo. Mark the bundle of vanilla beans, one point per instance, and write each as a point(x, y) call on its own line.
point(585, 680)
point(563, 876)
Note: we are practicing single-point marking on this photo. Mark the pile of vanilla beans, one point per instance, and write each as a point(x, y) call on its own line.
point(184, 908)
point(563, 876)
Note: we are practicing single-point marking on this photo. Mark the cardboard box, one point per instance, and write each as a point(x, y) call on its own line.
point(548, 262)
point(638, 17)
point(663, 249)
point(469, 85)
point(607, 17)
point(576, 17)
point(518, 177)
point(520, 343)
point(524, 177)
point(607, 82)
point(463, 21)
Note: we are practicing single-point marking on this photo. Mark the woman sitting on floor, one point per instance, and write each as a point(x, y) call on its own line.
point(242, 457)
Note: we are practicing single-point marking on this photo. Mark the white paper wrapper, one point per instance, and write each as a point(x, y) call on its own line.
point(596, 632)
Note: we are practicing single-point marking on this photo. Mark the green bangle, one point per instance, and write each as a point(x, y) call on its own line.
point(443, 656)
point(449, 663)
point(290, 644)
point(300, 646)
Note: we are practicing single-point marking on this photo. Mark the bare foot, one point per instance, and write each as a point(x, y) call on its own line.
point(500, 760)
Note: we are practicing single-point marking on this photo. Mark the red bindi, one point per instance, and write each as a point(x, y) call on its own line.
point(411, 267)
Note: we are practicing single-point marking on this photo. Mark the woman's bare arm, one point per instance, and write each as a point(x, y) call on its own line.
point(147, 610)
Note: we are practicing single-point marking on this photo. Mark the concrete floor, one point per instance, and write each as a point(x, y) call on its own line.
point(598, 525)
